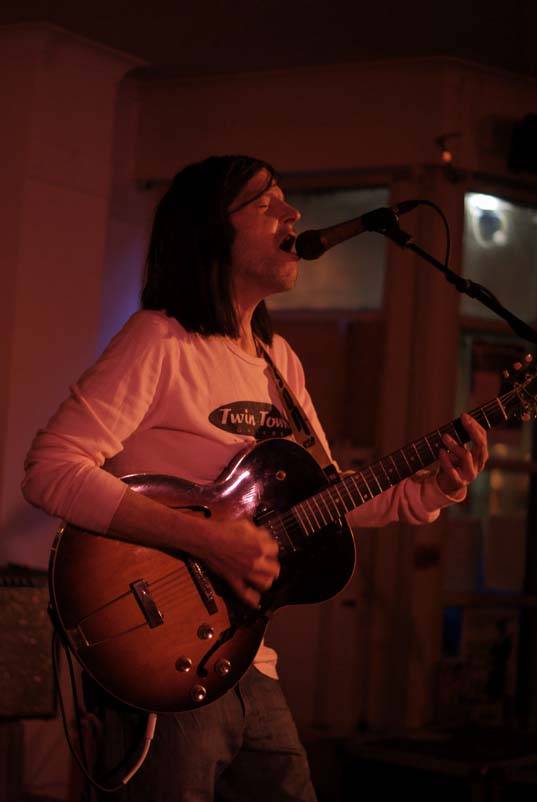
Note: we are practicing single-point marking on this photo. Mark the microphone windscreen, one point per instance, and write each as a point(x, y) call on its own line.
point(309, 245)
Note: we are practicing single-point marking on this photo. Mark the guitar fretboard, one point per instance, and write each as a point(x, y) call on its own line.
point(331, 504)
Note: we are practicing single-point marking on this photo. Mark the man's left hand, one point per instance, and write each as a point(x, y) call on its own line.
point(459, 465)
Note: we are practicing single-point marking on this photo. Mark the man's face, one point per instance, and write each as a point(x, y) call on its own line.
point(260, 265)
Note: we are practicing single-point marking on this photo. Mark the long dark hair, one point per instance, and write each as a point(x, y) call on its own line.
point(189, 256)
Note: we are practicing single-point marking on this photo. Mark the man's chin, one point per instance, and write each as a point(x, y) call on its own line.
point(285, 287)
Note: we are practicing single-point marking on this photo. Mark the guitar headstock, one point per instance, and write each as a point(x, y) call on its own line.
point(522, 380)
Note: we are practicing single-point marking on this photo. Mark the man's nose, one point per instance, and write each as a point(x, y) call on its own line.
point(291, 213)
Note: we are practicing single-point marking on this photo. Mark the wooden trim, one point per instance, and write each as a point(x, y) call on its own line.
point(483, 325)
point(489, 600)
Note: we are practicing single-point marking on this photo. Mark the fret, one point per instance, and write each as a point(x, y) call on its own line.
point(402, 452)
point(436, 439)
point(458, 434)
point(382, 479)
point(402, 465)
point(395, 468)
point(389, 481)
point(315, 501)
point(310, 510)
point(344, 484)
point(486, 418)
point(502, 409)
point(307, 503)
point(324, 496)
point(411, 459)
point(355, 483)
point(332, 502)
point(422, 464)
point(299, 508)
point(481, 418)
point(369, 494)
point(373, 474)
point(433, 453)
point(425, 452)
point(464, 437)
point(496, 412)
point(336, 489)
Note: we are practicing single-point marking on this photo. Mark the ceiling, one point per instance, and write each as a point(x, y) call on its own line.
point(189, 37)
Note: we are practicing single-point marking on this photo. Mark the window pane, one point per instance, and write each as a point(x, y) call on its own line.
point(350, 275)
point(500, 251)
point(485, 550)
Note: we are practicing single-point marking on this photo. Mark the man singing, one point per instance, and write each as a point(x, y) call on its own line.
point(181, 390)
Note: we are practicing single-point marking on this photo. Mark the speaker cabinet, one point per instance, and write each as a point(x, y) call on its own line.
point(26, 677)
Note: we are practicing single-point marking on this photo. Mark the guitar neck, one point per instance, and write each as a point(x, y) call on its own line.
point(330, 504)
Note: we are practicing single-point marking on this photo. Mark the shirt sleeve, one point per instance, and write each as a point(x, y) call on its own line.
point(64, 468)
point(416, 500)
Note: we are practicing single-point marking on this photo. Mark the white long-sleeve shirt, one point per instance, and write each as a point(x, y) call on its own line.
point(163, 400)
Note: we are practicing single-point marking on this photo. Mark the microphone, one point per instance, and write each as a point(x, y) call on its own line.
point(311, 244)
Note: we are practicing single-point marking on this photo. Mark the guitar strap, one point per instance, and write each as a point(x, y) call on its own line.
point(301, 428)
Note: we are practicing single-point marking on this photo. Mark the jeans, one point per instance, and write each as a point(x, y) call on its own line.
point(242, 748)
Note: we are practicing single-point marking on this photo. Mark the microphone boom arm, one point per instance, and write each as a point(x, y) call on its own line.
point(464, 285)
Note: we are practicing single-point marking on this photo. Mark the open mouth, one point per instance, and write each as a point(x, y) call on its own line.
point(288, 243)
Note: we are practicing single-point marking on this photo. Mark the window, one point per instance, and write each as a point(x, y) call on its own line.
point(487, 547)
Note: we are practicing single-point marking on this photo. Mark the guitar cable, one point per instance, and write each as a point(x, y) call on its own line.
point(81, 759)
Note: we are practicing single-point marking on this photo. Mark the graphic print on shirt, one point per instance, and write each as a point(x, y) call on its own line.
point(255, 418)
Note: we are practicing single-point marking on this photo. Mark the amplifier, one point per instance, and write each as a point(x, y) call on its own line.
point(26, 676)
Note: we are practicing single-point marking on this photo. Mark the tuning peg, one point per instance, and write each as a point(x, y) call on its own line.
point(525, 417)
point(517, 365)
point(528, 358)
point(505, 374)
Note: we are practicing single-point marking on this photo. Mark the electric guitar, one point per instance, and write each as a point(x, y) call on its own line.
point(158, 632)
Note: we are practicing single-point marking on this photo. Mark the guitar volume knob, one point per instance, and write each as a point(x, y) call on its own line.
point(183, 663)
point(198, 693)
point(222, 667)
point(205, 632)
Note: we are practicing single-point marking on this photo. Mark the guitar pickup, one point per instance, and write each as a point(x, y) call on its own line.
point(203, 585)
point(152, 614)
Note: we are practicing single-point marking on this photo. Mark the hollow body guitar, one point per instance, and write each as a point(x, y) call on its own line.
point(161, 634)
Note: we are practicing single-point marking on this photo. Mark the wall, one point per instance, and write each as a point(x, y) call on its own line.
point(60, 102)
point(342, 117)
point(58, 94)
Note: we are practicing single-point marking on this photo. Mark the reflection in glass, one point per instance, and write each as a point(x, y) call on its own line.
point(500, 251)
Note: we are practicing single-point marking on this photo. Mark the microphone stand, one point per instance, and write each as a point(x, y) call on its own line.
point(463, 285)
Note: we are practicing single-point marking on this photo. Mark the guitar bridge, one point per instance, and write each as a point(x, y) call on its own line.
point(152, 614)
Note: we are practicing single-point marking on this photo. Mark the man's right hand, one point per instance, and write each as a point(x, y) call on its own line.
point(244, 555)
